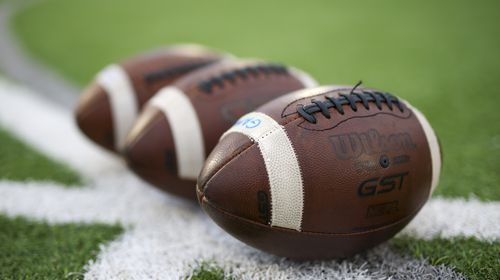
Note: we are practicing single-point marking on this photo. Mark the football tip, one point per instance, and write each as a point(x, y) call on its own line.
point(93, 116)
point(150, 153)
point(143, 143)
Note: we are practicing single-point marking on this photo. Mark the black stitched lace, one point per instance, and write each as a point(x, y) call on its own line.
point(352, 99)
point(169, 72)
point(241, 73)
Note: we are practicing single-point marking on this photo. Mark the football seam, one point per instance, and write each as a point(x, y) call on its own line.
point(205, 200)
point(172, 71)
point(93, 106)
point(217, 170)
point(142, 133)
point(356, 117)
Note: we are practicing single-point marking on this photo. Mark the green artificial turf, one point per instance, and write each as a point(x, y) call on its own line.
point(36, 250)
point(208, 270)
point(476, 259)
point(440, 55)
point(20, 162)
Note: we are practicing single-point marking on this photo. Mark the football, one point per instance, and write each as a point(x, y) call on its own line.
point(321, 173)
point(183, 122)
point(110, 104)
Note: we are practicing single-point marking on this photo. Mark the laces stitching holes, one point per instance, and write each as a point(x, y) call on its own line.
point(310, 118)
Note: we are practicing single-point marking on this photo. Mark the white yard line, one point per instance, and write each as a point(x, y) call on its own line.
point(121, 199)
point(50, 128)
point(166, 253)
point(125, 199)
point(449, 218)
point(165, 236)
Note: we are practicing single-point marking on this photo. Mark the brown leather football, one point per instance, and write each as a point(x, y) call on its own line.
point(109, 106)
point(321, 173)
point(182, 123)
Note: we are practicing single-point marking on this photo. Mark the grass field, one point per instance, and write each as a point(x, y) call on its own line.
point(476, 259)
point(20, 162)
point(441, 56)
point(36, 250)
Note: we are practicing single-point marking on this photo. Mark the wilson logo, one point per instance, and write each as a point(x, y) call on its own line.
point(353, 145)
point(380, 185)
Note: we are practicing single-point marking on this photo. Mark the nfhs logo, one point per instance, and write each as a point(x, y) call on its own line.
point(352, 145)
point(250, 122)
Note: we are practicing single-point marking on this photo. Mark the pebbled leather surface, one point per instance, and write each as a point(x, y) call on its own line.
point(229, 148)
point(339, 158)
point(248, 194)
